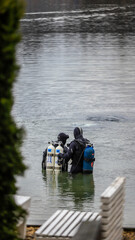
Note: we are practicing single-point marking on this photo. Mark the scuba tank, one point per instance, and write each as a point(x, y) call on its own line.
point(89, 158)
point(58, 150)
point(50, 161)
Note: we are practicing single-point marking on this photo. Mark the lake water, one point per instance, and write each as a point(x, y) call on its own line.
point(77, 69)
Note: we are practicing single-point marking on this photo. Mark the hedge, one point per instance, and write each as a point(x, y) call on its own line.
point(11, 136)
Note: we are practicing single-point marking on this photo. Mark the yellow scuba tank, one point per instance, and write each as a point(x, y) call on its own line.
point(50, 161)
point(58, 150)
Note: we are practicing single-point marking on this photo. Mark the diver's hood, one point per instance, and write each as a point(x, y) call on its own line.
point(78, 132)
point(63, 137)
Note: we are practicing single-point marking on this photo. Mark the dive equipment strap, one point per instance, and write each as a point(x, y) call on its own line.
point(80, 156)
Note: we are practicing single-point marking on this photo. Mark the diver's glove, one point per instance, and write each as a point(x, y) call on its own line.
point(60, 161)
point(60, 155)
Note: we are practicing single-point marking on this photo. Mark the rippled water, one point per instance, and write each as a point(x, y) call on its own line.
point(77, 69)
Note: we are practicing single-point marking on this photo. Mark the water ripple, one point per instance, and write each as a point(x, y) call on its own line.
point(106, 119)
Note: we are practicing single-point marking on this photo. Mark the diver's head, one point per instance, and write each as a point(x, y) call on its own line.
point(77, 132)
point(62, 137)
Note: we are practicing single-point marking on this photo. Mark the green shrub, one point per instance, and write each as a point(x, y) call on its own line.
point(11, 160)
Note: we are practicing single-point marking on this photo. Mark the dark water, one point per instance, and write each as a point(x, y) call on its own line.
point(77, 69)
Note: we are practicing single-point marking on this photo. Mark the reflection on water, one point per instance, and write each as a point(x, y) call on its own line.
point(78, 188)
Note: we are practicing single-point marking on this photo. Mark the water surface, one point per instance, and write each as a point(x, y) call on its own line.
point(77, 69)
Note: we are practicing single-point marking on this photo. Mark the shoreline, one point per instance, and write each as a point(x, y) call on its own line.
point(128, 234)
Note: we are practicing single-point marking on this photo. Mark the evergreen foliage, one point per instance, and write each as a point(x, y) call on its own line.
point(11, 160)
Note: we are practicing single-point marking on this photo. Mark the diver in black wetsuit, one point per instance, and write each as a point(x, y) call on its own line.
point(75, 151)
point(62, 137)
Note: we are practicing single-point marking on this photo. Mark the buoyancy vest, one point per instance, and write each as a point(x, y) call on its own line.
point(89, 158)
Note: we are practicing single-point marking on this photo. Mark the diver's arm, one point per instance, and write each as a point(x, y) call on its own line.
point(44, 159)
point(65, 149)
point(68, 155)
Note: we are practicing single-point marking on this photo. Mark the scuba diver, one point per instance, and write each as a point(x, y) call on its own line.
point(61, 138)
point(75, 151)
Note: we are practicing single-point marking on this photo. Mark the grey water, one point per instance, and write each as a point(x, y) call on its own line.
point(77, 69)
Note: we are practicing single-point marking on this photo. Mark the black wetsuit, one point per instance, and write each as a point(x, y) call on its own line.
point(75, 152)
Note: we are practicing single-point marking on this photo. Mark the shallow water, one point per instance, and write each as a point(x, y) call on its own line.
point(73, 74)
